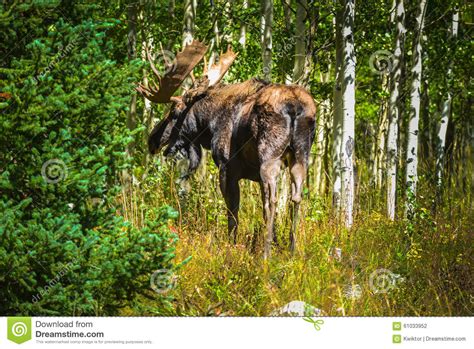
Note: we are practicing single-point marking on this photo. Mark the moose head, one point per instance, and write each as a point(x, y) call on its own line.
point(166, 132)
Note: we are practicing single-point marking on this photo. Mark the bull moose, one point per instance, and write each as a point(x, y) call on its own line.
point(253, 129)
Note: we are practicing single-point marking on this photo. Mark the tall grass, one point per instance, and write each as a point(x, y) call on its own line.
point(419, 267)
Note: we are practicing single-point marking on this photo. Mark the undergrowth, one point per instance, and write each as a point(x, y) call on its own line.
point(417, 267)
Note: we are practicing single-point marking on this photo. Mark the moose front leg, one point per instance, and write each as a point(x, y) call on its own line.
point(230, 190)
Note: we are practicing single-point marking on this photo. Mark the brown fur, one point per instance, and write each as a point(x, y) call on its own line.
point(253, 129)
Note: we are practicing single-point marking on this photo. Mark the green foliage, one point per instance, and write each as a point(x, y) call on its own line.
point(64, 247)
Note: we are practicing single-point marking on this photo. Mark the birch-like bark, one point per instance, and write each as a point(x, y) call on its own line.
point(182, 183)
point(325, 186)
point(228, 20)
point(243, 27)
point(446, 110)
point(188, 27)
point(300, 44)
point(380, 153)
point(288, 20)
point(147, 109)
point(414, 116)
point(215, 41)
point(287, 13)
point(267, 22)
point(323, 111)
point(394, 112)
point(337, 120)
point(348, 111)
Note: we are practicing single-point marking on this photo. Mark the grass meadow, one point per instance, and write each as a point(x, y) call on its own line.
point(417, 267)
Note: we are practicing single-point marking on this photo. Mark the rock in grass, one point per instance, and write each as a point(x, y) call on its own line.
point(297, 308)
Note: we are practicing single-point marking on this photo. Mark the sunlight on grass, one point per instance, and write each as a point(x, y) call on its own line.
point(378, 268)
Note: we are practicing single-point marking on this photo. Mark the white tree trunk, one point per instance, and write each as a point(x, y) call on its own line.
point(337, 120)
point(287, 13)
point(414, 117)
point(243, 27)
point(188, 31)
point(215, 42)
point(392, 137)
point(300, 45)
point(380, 154)
point(190, 7)
point(326, 156)
point(443, 126)
point(147, 109)
point(348, 111)
point(267, 22)
point(323, 111)
point(189, 15)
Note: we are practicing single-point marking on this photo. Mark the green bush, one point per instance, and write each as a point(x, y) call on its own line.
point(64, 250)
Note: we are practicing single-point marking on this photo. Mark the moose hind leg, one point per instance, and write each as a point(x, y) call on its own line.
point(269, 172)
point(298, 173)
point(231, 192)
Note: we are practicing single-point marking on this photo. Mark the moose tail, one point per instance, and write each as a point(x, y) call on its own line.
point(302, 129)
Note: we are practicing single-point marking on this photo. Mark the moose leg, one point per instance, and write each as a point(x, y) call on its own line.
point(230, 190)
point(298, 173)
point(269, 172)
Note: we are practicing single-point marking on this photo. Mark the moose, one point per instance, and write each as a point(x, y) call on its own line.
point(253, 129)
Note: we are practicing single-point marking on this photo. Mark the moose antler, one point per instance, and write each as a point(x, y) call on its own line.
point(168, 83)
point(216, 72)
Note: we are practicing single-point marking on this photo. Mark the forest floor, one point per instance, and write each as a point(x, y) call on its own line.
point(421, 267)
point(379, 268)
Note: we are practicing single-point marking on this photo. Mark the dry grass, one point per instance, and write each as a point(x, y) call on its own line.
point(429, 260)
